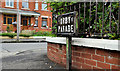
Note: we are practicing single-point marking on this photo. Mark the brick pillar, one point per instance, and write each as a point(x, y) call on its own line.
point(39, 23)
point(51, 22)
point(32, 22)
point(0, 4)
point(1, 18)
point(48, 21)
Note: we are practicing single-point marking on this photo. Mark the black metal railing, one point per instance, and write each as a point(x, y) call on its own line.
point(95, 19)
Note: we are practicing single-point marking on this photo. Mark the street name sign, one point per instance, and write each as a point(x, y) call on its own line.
point(67, 24)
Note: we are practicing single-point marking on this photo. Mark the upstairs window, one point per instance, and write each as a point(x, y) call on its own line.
point(25, 4)
point(36, 4)
point(10, 3)
point(44, 5)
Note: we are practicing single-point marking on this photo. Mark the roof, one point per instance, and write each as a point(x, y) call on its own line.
point(22, 12)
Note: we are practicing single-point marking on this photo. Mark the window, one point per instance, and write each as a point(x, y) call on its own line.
point(44, 6)
point(10, 3)
point(25, 4)
point(29, 21)
point(36, 5)
point(44, 22)
point(9, 19)
point(25, 22)
point(4, 20)
point(36, 23)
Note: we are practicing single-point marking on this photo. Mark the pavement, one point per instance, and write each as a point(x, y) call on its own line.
point(26, 56)
point(30, 39)
point(23, 40)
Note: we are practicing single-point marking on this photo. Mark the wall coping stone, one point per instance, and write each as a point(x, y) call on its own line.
point(88, 42)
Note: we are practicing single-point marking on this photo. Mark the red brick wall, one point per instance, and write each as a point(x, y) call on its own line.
point(0, 4)
point(85, 57)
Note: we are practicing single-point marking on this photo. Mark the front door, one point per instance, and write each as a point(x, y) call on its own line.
point(25, 23)
point(10, 21)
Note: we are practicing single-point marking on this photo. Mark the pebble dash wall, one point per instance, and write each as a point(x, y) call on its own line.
point(85, 57)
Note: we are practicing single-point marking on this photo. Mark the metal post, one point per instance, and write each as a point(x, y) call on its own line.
point(118, 28)
point(68, 53)
point(84, 15)
point(18, 20)
point(96, 16)
point(90, 19)
point(110, 17)
point(103, 19)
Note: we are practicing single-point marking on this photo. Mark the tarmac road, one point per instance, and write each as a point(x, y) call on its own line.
point(26, 56)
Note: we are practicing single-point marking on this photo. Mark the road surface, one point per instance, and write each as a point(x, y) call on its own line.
point(26, 56)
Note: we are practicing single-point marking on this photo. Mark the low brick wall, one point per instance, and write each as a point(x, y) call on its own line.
point(85, 57)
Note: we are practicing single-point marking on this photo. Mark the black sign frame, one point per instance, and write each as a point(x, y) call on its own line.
point(67, 26)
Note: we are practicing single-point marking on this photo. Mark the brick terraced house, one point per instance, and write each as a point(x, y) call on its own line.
point(33, 15)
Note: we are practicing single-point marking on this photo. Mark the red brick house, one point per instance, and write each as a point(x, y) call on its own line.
point(33, 15)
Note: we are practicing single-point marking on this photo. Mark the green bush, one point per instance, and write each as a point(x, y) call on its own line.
point(11, 35)
point(28, 32)
point(8, 29)
point(25, 35)
point(41, 33)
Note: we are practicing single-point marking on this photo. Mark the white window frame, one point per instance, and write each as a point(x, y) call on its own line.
point(9, 1)
point(36, 2)
point(46, 24)
point(36, 24)
point(27, 2)
point(44, 7)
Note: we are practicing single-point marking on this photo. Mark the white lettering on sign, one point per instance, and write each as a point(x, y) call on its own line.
point(68, 19)
point(65, 20)
point(72, 19)
point(61, 21)
point(71, 28)
point(67, 28)
point(66, 24)
point(59, 28)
